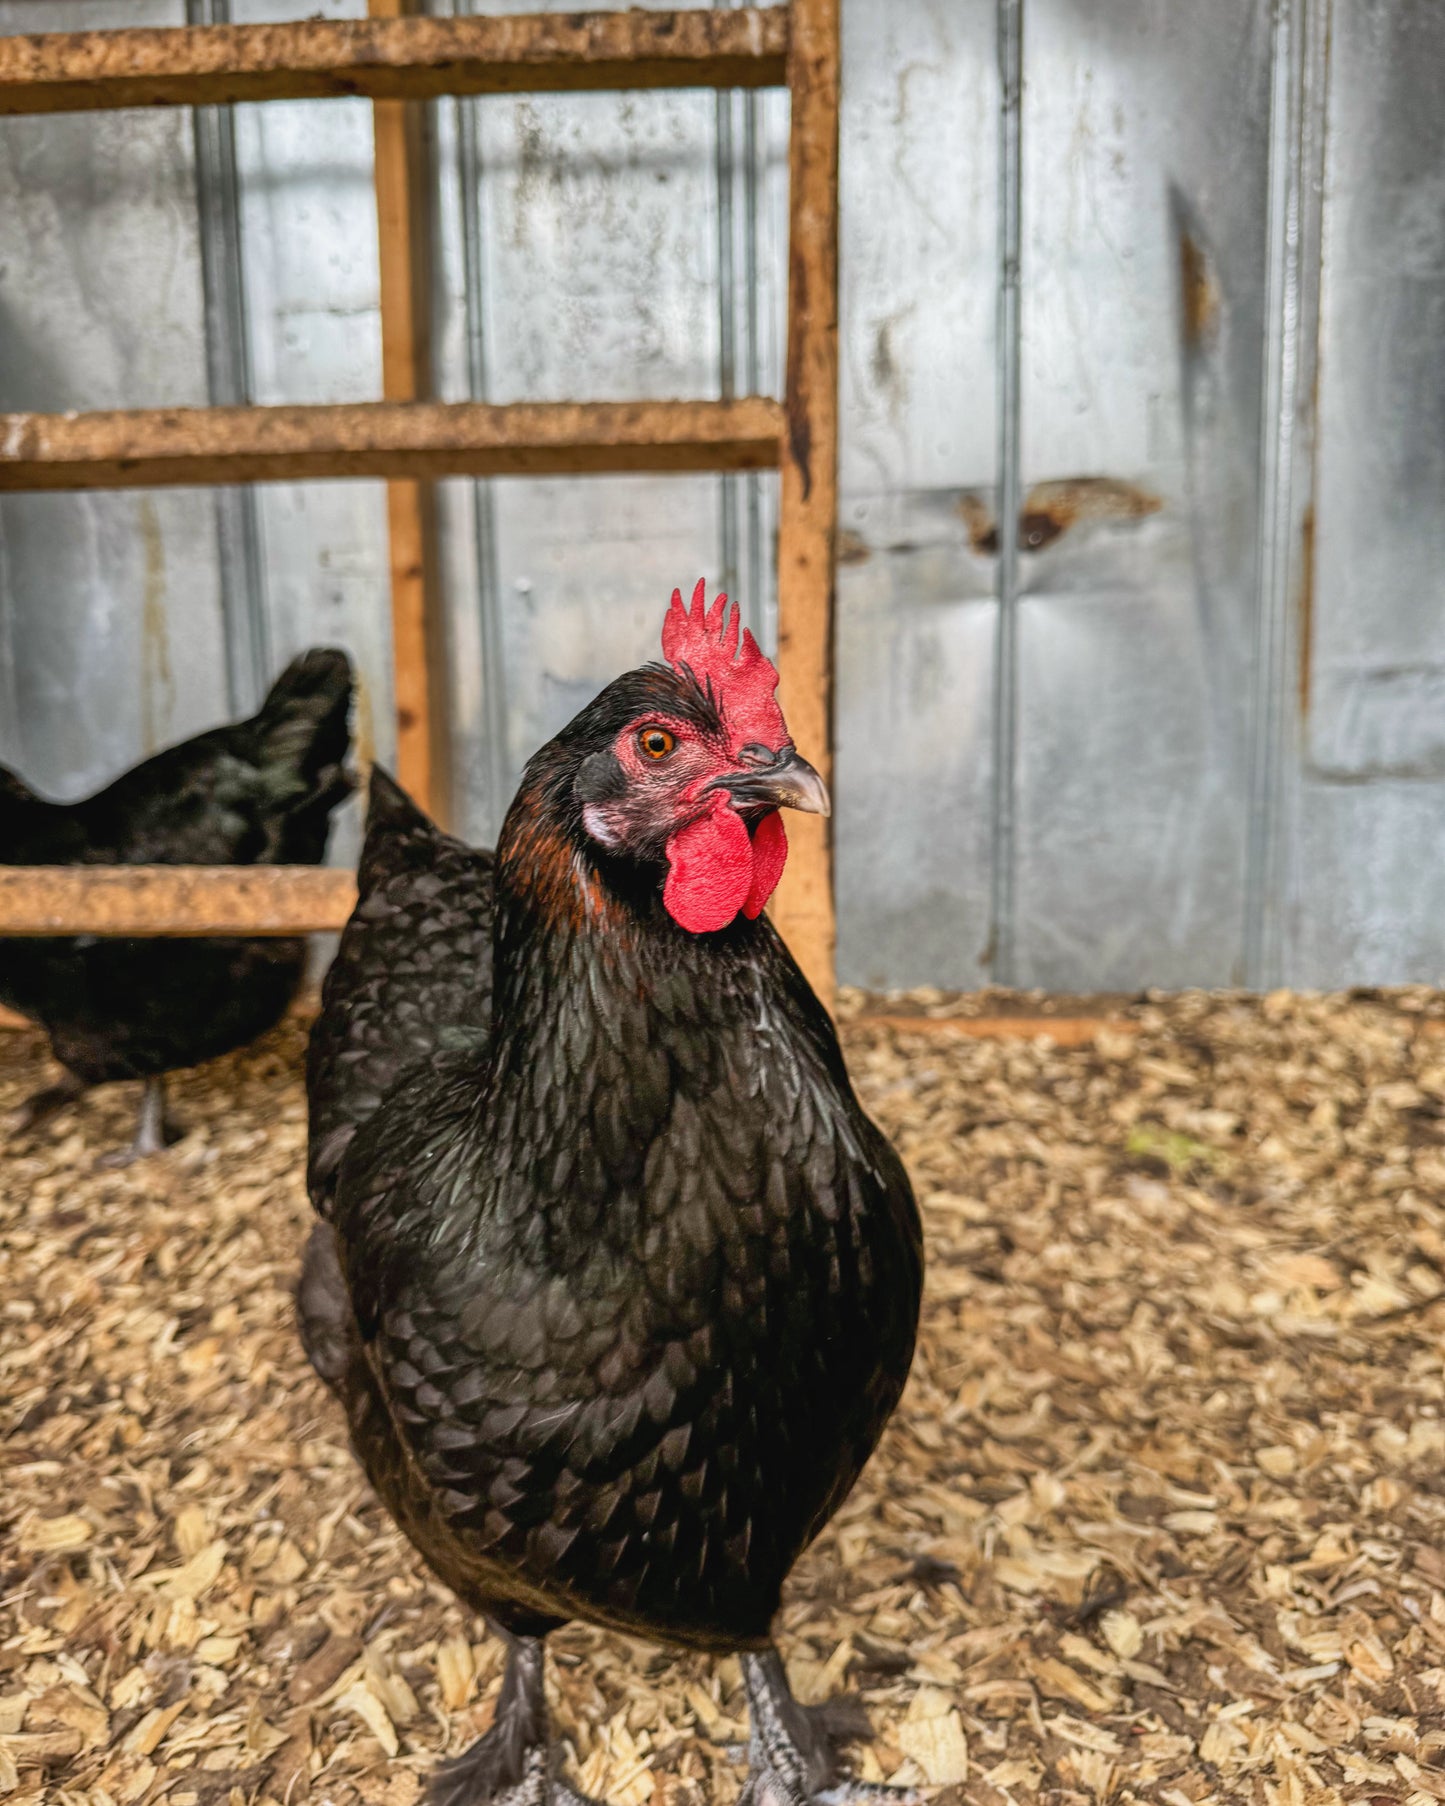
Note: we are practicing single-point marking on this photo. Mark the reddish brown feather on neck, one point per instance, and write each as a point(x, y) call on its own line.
point(543, 867)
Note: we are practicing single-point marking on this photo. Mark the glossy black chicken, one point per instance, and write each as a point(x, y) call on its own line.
point(255, 792)
point(616, 1281)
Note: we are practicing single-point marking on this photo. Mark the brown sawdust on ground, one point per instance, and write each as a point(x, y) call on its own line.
point(1160, 1518)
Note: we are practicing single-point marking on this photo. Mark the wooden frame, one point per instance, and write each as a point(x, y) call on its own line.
point(403, 161)
point(398, 59)
point(174, 899)
point(808, 504)
point(151, 448)
point(393, 55)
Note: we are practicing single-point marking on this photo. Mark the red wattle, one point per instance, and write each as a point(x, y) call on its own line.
point(770, 855)
point(716, 869)
point(710, 871)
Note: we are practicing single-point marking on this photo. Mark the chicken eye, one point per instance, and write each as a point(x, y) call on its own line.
point(656, 742)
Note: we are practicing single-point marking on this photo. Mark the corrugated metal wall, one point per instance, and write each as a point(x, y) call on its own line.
point(1191, 731)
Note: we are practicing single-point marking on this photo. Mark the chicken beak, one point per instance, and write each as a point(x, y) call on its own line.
point(790, 782)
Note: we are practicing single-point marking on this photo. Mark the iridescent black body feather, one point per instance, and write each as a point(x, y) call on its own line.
point(255, 792)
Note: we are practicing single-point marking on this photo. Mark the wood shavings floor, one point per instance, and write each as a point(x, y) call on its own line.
point(1160, 1519)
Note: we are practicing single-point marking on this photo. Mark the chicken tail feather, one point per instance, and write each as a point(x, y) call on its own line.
point(303, 723)
point(303, 734)
point(399, 836)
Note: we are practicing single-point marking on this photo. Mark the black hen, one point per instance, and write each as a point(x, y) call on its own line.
point(615, 1279)
point(256, 792)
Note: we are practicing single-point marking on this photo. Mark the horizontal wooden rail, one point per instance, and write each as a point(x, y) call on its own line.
point(393, 59)
point(167, 446)
point(173, 899)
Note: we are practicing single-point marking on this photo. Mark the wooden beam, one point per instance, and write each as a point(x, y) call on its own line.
point(174, 899)
point(809, 462)
point(402, 160)
point(392, 58)
point(170, 446)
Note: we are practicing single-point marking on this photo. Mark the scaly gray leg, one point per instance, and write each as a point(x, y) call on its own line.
point(792, 1760)
point(511, 1764)
point(44, 1104)
point(154, 1131)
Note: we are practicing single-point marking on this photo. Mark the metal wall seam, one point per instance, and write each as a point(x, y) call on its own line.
point(739, 504)
point(244, 614)
point(1300, 576)
point(1009, 352)
point(483, 490)
point(757, 587)
point(726, 323)
point(1299, 89)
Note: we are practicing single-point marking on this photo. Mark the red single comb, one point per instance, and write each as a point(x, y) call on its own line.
point(725, 659)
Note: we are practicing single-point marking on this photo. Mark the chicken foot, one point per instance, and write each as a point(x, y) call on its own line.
point(154, 1130)
point(511, 1764)
point(792, 1759)
point(42, 1105)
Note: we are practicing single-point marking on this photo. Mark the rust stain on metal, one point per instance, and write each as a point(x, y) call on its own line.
point(173, 900)
point(1051, 509)
point(1199, 292)
point(977, 517)
point(852, 548)
point(392, 59)
point(1306, 605)
point(163, 446)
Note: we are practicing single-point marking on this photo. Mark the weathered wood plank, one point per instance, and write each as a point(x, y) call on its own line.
point(403, 172)
point(392, 58)
point(171, 446)
point(174, 899)
point(809, 460)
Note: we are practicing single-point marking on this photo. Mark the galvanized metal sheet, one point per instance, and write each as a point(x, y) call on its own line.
point(595, 218)
point(1146, 157)
point(1227, 665)
point(916, 614)
point(1367, 884)
point(110, 629)
point(597, 246)
point(308, 234)
point(311, 306)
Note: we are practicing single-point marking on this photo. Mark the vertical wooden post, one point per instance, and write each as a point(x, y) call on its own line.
point(403, 155)
point(809, 461)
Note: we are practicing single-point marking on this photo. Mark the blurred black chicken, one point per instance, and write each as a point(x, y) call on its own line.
point(256, 792)
point(616, 1281)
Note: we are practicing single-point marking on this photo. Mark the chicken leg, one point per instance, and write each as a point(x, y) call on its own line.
point(42, 1105)
point(509, 1765)
point(154, 1130)
point(792, 1761)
